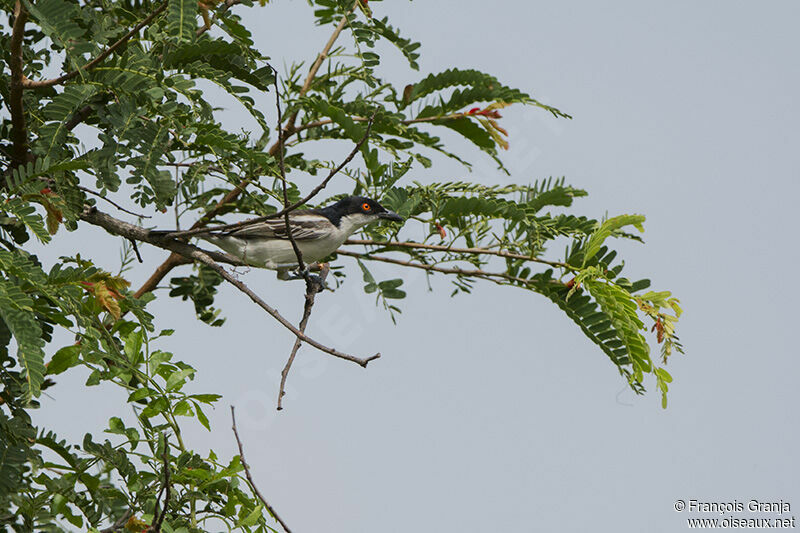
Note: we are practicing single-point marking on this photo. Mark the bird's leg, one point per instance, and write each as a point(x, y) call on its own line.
point(285, 274)
point(318, 280)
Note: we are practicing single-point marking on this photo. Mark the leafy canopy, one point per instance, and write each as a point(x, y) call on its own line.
point(129, 122)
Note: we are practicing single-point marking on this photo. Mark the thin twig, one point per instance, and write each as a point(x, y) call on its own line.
point(474, 251)
point(19, 131)
point(477, 273)
point(282, 168)
point(189, 253)
point(136, 250)
point(315, 67)
point(32, 84)
point(112, 202)
point(312, 288)
point(250, 477)
point(316, 190)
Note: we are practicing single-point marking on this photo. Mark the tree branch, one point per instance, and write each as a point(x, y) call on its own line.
point(315, 67)
point(191, 253)
point(250, 477)
point(473, 251)
point(31, 84)
point(19, 131)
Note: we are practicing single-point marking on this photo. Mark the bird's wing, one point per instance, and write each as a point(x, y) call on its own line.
point(305, 226)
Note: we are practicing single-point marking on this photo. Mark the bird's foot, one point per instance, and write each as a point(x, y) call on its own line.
point(317, 280)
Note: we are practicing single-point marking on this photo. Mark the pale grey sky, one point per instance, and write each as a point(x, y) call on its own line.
point(492, 412)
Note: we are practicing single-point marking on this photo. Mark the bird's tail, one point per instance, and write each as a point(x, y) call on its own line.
point(175, 233)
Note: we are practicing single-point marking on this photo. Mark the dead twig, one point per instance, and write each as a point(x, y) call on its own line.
point(312, 288)
point(250, 477)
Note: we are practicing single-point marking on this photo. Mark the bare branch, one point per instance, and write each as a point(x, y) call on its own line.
point(19, 133)
point(190, 253)
point(288, 325)
point(250, 477)
point(31, 84)
point(312, 288)
point(474, 251)
point(130, 231)
point(315, 67)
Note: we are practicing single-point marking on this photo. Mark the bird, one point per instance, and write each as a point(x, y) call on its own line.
point(317, 232)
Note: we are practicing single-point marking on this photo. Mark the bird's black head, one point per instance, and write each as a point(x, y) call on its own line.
point(359, 205)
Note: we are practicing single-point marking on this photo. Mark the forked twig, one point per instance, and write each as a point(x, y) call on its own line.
point(312, 288)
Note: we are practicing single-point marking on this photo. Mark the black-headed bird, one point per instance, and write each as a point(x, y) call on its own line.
point(317, 232)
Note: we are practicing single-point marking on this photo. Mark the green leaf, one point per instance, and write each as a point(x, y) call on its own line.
point(252, 518)
point(181, 19)
point(176, 379)
point(16, 310)
point(115, 425)
point(605, 230)
point(63, 359)
point(133, 346)
point(158, 405)
point(201, 416)
point(140, 394)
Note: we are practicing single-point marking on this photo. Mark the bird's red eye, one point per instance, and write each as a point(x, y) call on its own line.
point(366, 207)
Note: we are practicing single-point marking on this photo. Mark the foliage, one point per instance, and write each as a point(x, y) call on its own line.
point(130, 119)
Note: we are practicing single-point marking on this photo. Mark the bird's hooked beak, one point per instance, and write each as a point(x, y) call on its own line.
point(389, 215)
